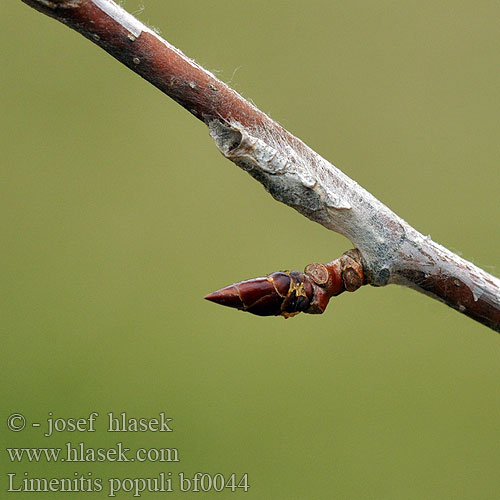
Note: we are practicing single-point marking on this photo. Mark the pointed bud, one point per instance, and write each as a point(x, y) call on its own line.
point(286, 293)
point(278, 294)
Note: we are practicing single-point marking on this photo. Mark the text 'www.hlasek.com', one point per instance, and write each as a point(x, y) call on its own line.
point(72, 454)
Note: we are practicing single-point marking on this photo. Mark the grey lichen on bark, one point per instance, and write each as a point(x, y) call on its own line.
point(297, 176)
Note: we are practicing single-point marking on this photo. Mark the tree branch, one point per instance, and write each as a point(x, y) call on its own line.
point(390, 249)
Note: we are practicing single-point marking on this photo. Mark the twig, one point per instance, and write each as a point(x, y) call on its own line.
point(391, 250)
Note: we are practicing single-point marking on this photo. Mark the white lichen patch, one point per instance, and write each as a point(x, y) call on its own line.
point(278, 167)
point(135, 28)
point(121, 16)
point(297, 176)
point(273, 161)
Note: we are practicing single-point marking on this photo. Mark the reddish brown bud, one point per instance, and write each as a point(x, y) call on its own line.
point(286, 293)
point(280, 293)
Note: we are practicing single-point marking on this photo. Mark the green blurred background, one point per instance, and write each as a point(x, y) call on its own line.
point(118, 215)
